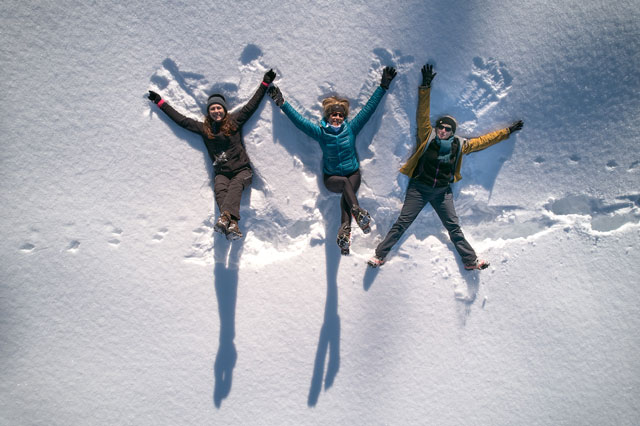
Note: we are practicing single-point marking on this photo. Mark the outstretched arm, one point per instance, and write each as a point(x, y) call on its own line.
point(478, 144)
point(309, 128)
point(424, 95)
point(250, 107)
point(181, 120)
point(367, 111)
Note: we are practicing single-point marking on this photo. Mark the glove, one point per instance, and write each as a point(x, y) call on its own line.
point(387, 75)
point(269, 76)
point(516, 126)
point(427, 75)
point(276, 94)
point(153, 96)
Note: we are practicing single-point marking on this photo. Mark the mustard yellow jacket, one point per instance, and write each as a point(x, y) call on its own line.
point(426, 134)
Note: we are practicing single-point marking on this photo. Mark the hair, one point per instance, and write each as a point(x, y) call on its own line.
point(333, 100)
point(228, 126)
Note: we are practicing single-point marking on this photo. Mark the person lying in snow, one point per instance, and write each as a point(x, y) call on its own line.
point(432, 168)
point(222, 135)
point(337, 137)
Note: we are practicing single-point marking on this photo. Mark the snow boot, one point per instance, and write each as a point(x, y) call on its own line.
point(222, 225)
point(344, 238)
point(233, 231)
point(362, 217)
point(375, 261)
point(477, 264)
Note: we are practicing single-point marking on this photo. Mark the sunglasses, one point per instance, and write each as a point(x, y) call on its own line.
point(337, 114)
point(441, 127)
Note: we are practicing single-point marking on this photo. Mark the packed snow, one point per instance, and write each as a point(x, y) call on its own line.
point(119, 305)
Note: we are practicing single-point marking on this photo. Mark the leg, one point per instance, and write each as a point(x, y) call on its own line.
point(443, 205)
point(347, 186)
point(414, 202)
point(220, 189)
point(233, 192)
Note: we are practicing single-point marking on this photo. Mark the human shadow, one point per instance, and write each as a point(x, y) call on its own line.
point(329, 339)
point(225, 273)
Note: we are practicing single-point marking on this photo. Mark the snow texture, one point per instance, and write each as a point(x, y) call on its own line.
point(119, 305)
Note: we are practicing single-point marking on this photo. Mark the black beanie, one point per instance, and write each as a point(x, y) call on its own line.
point(217, 98)
point(447, 119)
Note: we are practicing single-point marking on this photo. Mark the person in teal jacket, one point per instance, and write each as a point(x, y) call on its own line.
point(337, 137)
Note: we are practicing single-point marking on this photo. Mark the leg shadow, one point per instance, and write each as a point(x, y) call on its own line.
point(468, 298)
point(369, 277)
point(227, 256)
point(329, 341)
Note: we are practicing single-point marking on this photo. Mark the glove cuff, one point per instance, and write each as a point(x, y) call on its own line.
point(265, 84)
point(160, 102)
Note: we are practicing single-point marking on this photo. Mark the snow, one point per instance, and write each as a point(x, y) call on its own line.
point(119, 305)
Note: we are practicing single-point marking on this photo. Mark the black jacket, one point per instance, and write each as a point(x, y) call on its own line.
point(227, 152)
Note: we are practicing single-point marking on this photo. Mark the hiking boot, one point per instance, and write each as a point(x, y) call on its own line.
point(344, 238)
point(375, 261)
point(233, 231)
point(363, 218)
point(222, 225)
point(476, 264)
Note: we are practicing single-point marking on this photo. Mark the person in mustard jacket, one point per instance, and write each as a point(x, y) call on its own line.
point(432, 168)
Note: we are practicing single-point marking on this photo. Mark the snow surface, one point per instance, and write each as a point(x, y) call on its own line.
point(119, 306)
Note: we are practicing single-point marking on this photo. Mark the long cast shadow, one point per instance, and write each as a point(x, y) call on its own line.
point(329, 340)
point(225, 272)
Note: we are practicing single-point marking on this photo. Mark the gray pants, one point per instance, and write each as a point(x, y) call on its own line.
point(418, 195)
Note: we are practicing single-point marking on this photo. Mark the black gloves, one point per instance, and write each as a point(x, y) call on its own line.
point(387, 75)
point(276, 94)
point(153, 96)
point(269, 76)
point(427, 75)
point(516, 126)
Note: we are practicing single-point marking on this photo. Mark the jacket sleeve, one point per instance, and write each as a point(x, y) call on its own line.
point(367, 111)
point(250, 107)
point(181, 120)
point(422, 114)
point(478, 144)
point(309, 128)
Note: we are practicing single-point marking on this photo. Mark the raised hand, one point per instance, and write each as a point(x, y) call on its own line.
point(388, 73)
point(276, 94)
point(516, 126)
point(153, 96)
point(427, 75)
point(269, 76)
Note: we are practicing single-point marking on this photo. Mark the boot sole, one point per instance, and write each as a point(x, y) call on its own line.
point(232, 237)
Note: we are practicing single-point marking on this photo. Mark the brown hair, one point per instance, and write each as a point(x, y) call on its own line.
point(228, 126)
point(335, 100)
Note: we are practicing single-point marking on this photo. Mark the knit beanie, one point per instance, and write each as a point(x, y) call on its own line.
point(447, 119)
point(217, 98)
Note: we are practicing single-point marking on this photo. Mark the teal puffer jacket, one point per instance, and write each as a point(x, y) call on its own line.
point(339, 154)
